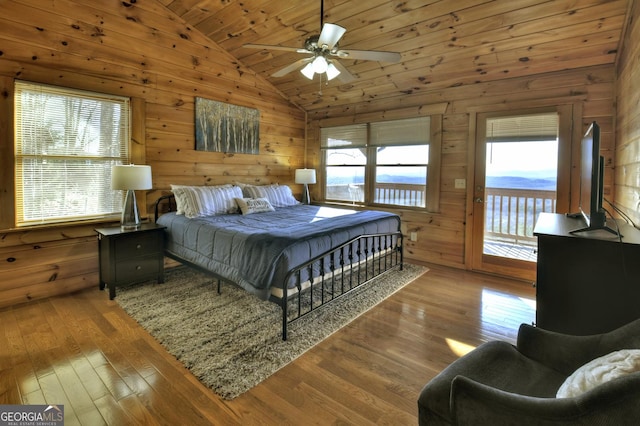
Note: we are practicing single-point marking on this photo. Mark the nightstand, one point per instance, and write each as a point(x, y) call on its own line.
point(129, 256)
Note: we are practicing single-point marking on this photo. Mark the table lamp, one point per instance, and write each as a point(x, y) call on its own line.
point(306, 177)
point(130, 178)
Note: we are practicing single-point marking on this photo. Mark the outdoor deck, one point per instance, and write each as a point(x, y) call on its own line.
point(511, 250)
point(510, 213)
point(510, 217)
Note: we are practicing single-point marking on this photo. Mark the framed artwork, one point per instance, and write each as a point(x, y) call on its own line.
point(222, 127)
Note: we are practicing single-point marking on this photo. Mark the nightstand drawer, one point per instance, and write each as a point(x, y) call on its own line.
point(139, 245)
point(137, 268)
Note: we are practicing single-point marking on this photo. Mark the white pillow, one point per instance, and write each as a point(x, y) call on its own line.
point(599, 371)
point(197, 201)
point(278, 195)
point(254, 205)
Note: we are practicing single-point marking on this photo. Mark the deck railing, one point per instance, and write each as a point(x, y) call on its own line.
point(511, 214)
point(399, 194)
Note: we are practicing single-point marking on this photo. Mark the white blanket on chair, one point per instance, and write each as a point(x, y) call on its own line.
point(599, 371)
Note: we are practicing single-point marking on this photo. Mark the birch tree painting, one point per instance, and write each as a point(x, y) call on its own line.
point(222, 127)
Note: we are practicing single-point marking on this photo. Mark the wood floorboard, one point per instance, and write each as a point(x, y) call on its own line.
point(83, 351)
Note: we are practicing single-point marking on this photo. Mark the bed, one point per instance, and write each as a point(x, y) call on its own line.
point(299, 256)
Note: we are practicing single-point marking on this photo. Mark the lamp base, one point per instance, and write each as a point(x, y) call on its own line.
point(130, 219)
point(306, 199)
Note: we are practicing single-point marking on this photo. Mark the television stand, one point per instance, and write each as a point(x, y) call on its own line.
point(573, 215)
point(596, 222)
point(596, 228)
point(587, 283)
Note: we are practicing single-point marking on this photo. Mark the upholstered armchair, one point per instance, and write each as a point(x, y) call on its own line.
point(498, 383)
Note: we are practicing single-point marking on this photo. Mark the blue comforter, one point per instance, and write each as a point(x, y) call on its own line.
point(256, 251)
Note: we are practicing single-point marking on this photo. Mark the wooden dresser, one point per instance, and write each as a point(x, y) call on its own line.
point(589, 282)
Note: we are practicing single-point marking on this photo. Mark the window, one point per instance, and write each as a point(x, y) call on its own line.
point(66, 143)
point(345, 155)
point(379, 163)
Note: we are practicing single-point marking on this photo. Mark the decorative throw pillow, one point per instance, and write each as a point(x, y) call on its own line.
point(278, 195)
point(197, 201)
point(599, 371)
point(180, 200)
point(254, 205)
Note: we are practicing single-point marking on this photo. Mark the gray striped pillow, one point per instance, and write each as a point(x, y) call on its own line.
point(278, 195)
point(181, 201)
point(200, 201)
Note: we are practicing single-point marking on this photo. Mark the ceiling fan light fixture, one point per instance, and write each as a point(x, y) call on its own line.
point(321, 50)
point(332, 71)
point(308, 71)
point(320, 64)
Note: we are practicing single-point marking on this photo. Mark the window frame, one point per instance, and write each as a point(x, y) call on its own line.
point(375, 164)
point(11, 220)
point(432, 194)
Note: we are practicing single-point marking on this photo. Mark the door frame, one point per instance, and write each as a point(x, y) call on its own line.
point(567, 181)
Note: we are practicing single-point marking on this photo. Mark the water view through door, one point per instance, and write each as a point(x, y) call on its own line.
point(516, 179)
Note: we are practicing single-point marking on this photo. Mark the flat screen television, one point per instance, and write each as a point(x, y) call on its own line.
point(592, 182)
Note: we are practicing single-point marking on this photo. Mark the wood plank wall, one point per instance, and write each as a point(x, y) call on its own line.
point(442, 235)
point(142, 50)
point(627, 175)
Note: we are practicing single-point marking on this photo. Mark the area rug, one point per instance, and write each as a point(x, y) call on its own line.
point(232, 341)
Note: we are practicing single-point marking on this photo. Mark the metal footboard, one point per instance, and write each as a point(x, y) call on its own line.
point(325, 277)
point(334, 274)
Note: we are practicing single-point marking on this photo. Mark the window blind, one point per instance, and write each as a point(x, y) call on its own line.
point(344, 136)
point(401, 132)
point(66, 143)
point(526, 128)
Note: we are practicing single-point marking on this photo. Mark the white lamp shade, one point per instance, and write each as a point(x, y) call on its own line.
point(305, 176)
point(319, 64)
point(131, 177)
point(332, 72)
point(308, 71)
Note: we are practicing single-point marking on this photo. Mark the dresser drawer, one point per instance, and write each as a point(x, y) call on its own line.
point(139, 268)
point(141, 244)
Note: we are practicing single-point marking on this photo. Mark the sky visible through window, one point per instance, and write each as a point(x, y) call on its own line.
point(538, 159)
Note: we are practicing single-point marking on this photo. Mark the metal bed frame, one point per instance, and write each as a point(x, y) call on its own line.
point(341, 270)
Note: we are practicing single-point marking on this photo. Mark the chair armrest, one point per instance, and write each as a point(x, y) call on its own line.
point(562, 352)
point(612, 403)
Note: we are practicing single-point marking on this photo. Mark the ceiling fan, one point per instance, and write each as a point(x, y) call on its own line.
point(324, 53)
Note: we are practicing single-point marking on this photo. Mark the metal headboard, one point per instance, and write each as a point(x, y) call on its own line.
point(169, 200)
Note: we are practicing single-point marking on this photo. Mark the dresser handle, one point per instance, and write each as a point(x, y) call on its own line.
point(138, 267)
point(139, 246)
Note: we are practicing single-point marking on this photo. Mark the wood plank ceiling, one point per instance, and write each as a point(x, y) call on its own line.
point(444, 43)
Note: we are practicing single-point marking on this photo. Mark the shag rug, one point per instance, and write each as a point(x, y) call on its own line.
point(233, 341)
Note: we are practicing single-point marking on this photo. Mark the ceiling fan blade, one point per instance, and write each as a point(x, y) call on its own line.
point(330, 35)
point(273, 47)
point(345, 76)
point(292, 67)
point(369, 55)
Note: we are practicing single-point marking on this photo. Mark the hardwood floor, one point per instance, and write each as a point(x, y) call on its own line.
point(83, 351)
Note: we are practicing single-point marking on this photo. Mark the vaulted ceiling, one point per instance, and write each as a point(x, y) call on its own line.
point(443, 43)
